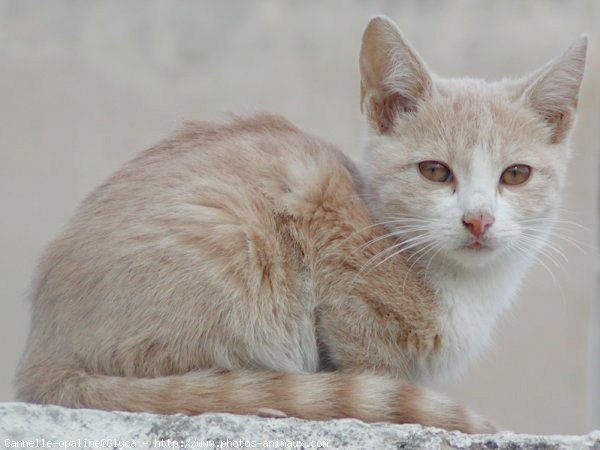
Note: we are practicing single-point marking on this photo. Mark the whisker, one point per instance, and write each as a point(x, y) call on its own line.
point(544, 247)
point(395, 233)
point(403, 247)
point(555, 234)
point(523, 251)
point(431, 246)
point(397, 253)
point(354, 233)
point(553, 222)
point(431, 258)
point(396, 249)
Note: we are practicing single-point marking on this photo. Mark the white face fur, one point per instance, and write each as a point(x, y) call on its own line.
point(465, 170)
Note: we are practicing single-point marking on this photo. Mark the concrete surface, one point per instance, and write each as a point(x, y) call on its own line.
point(22, 424)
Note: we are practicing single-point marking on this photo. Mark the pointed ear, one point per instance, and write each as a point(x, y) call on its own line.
point(553, 90)
point(393, 77)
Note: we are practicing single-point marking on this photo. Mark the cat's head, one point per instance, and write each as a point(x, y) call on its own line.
point(465, 169)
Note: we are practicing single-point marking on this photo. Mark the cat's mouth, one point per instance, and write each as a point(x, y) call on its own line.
point(478, 245)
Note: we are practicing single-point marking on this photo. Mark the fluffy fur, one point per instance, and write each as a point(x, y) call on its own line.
point(249, 265)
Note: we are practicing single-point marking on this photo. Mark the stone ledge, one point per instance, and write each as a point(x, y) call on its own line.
point(21, 421)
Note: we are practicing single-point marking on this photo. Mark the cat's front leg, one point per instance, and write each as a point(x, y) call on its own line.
point(357, 339)
point(358, 334)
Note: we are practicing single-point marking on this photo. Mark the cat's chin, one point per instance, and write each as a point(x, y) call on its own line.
point(474, 257)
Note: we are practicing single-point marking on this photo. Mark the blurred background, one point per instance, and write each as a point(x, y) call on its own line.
point(86, 85)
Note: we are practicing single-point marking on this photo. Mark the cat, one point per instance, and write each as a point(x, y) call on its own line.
point(248, 266)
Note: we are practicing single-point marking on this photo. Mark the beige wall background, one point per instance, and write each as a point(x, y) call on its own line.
point(86, 85)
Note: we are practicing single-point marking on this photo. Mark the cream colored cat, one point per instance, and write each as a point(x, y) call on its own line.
point(249, 265)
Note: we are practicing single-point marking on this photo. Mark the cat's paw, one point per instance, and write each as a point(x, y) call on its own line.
point(271, 413)
point(419, 345)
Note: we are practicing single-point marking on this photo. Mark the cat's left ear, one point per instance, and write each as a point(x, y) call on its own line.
point(553, 90)
point(394, 79)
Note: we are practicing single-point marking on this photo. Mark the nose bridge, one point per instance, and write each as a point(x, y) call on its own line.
point(477, 189)
point(476, 199)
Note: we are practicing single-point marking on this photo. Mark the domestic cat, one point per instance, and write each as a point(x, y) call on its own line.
point(249, 265)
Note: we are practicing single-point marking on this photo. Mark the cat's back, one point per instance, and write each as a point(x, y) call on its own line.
point(201, 225)
point(201, 190)
point(229, 167)
point(249, 158)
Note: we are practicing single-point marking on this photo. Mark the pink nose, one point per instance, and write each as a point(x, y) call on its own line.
point(478, 223)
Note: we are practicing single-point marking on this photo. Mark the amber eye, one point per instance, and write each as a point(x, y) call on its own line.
point(515, 175)
point(435, 171)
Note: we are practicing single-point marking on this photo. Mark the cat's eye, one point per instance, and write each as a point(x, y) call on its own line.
point(515, 175)
point(435, 171)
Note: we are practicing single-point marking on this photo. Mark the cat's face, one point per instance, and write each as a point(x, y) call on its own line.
point(463, 169)
point(468, 155)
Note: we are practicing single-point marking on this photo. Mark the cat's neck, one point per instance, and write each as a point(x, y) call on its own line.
point(469, 303)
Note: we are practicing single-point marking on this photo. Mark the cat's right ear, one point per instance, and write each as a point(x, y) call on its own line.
point(394, 79)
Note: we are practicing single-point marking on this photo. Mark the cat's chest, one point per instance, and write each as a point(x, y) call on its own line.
point(467, 310)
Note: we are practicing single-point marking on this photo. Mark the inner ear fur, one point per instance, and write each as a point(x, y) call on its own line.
point(553, 90)
point(394, 79)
